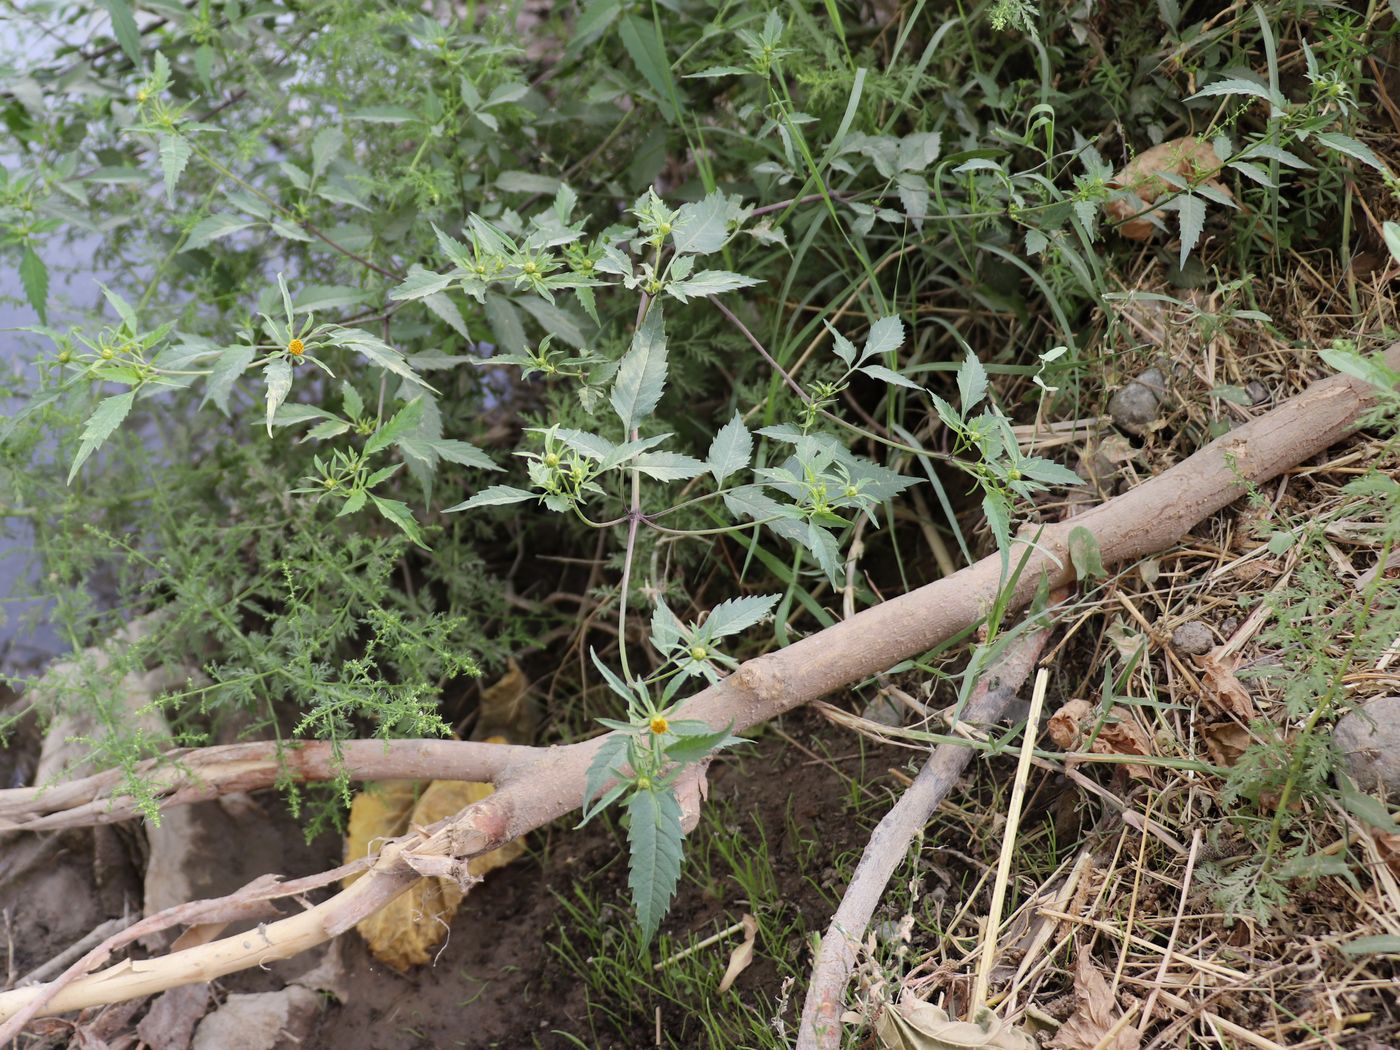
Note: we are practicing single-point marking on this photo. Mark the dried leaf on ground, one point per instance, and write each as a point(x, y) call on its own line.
point(1221, 685)
point(506, 709)
point(1095, 1016)
point(1120, 734)
point(1185, 157)
point(740, 958)
point(917, 1025)
point(1226, 742)
point(403, 934)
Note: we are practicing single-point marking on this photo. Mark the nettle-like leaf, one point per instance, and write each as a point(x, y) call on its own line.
point(708, 282)
point(398, 512)
point(737, 614)
point(641, 375)
point(654, 869)
point(1191, 216)
point(666, 629)
point(605, 765)
point(34, 277)
point(232, 363)
point(494, 496)
point(731, 450)
point(104, 420)
point(669, 466)
point(212, 227)
point(886, 336)
point(278, 374)
point(174, 155)
point(972, 383)
point(401, 422)
point(703, 227)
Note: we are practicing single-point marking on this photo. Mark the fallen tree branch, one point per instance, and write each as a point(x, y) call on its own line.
point(1147, 519)
point(820, 1027)
point(198, 774)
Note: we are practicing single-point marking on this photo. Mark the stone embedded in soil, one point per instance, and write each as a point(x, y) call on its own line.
point(1134, 407)
point(1193, 638)
point(1369, 737)
point(262, 1021)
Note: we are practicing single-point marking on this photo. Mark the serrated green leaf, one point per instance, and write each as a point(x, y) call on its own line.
point(641, 375)
point(692, 747)
point(1238, 86)
point(654, 869)
point(324, 148)
point(404, 420)
point(708, 282)
point(886, 335)
point(555, 320)
point(890, 376)
point(643, 44)
point(382, 114)
point(666, 629)
point(669, 466)
point(610, 754)
point(313, 297)
point(1191, 218)
point(972, 383)
point(731, 449)
point(353, 503)
point(377, 352)
point(495, 496)
point(211, 228)
point(504, 318)
point(105, 418)
point(34, 277)
point(232, 363)
point(398, 512)
point(421, 282)
point(702, 227)
point(124, 28)
point(446, 310)
point(278, 375)
point(1351, 147)
point(1084, 553)
point(737, 614)
point(174, 155)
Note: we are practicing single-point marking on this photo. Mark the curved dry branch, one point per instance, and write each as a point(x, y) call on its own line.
point(549, 785)
point(189, 775)
point(820, 1027)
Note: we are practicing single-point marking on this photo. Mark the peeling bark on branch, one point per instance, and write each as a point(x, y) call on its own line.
point(549, 784)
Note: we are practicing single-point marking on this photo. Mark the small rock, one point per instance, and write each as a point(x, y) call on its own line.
point(1369, 737)
point(884, 710)
point(263, 1021)
point(1193, 638)
point(1135, 406)
point(1257, 391)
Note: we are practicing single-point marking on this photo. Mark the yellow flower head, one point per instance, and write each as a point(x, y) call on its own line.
point(659, 725)
point(296, 348)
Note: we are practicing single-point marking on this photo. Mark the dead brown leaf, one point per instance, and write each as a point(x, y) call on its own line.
point(1072, 724)
point(1095, 1016)
point(1187, 157)
point(1226, 742)
point(917, 1025)
point(741, 956)
point(403, 934)
point(1221, 685)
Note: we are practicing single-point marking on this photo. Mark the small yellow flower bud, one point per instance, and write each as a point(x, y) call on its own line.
point(698, 652)
point(296, 348)
point(108, 353)
point(644, 783)
point(64, 357)
point(659, 725)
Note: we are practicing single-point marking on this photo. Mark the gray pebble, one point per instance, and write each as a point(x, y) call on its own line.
point(1135, 406)
point(1193, 638)
point(1257, 391)
point(1369, 737)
